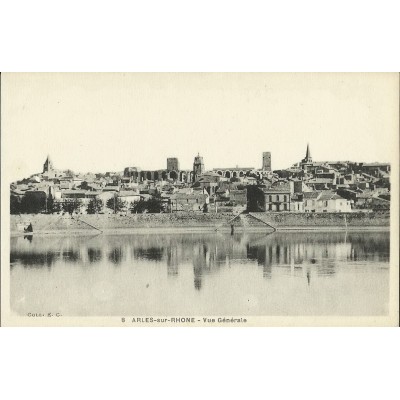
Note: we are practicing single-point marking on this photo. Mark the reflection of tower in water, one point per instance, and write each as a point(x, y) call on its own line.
point(172, 261)
point(199, 264)
point(116, 255)
point(278, 253)
point(94, 255)
point(204, 262)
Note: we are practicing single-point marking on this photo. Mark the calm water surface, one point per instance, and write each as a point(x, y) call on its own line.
point(202, 274)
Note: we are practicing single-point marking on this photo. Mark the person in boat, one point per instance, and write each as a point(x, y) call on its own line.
point(29, 228)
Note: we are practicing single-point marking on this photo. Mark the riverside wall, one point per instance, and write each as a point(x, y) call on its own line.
point(356, 219)
point(43, 223)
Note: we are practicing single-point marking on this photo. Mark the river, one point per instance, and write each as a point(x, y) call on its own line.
point(202, 274)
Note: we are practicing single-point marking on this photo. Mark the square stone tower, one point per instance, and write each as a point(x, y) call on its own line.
point(266, 161)
point(172, 164)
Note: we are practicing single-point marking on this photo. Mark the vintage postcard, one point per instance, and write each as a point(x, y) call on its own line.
point(199, 199)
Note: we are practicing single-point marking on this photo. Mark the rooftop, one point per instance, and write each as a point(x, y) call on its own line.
point(376, 164)
point(311, 195)
point(329, 196)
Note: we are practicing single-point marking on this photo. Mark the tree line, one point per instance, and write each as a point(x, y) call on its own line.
point(37, 205)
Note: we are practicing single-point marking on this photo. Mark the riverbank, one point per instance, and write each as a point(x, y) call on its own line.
point(121, 223)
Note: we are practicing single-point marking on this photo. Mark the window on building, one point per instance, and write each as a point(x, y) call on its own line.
point(285, 198)
point(270, 198)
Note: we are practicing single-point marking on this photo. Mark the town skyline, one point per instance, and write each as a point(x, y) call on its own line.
point(101, 122)
point(184, 168)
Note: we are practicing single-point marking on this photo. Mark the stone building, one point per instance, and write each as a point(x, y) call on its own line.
point(297, 202)
point(173, 173)
point(332, 202)
point(209, 181)
point(48, 165)
point(238, 197)
point(376, 169)
point(266, 161)
point(237, 172)
point(189, 201)
point(278, 196)
point(172, 164)
point(198, 167)
point(310, 201)
point(306, 162)
point(325, 201)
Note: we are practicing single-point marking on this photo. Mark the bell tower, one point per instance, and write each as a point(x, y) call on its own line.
point(307, 161)
point(48, 165)
point(198, 167)
point(308, 158)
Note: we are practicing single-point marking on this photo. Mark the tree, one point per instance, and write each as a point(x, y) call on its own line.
point(15, 205)
point(71, 205)
point(153, 205)
point(33, 204)
point(138, 207)
point(116, 204)
point(255, 199)
point(53, 206)
point(94, 206)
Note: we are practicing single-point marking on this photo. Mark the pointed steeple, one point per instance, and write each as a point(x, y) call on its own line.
point(308, 154)
point(47, 166)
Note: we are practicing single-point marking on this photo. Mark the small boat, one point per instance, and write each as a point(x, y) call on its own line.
point(29, 229)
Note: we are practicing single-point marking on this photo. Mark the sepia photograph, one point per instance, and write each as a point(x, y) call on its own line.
point(206, 193)
point(199, 199)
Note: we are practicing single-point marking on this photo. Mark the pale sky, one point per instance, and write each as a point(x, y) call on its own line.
point(106, 122)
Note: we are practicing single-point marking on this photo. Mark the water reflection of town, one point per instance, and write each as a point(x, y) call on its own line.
point(291, 253)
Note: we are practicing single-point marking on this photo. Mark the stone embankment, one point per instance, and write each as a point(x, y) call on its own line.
point(120, 222)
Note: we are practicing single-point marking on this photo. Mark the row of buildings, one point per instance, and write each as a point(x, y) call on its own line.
point(307, 186)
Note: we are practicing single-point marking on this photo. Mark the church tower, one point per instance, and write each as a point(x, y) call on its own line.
point(308, 158)
point(48, 165)
point(198, 167)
